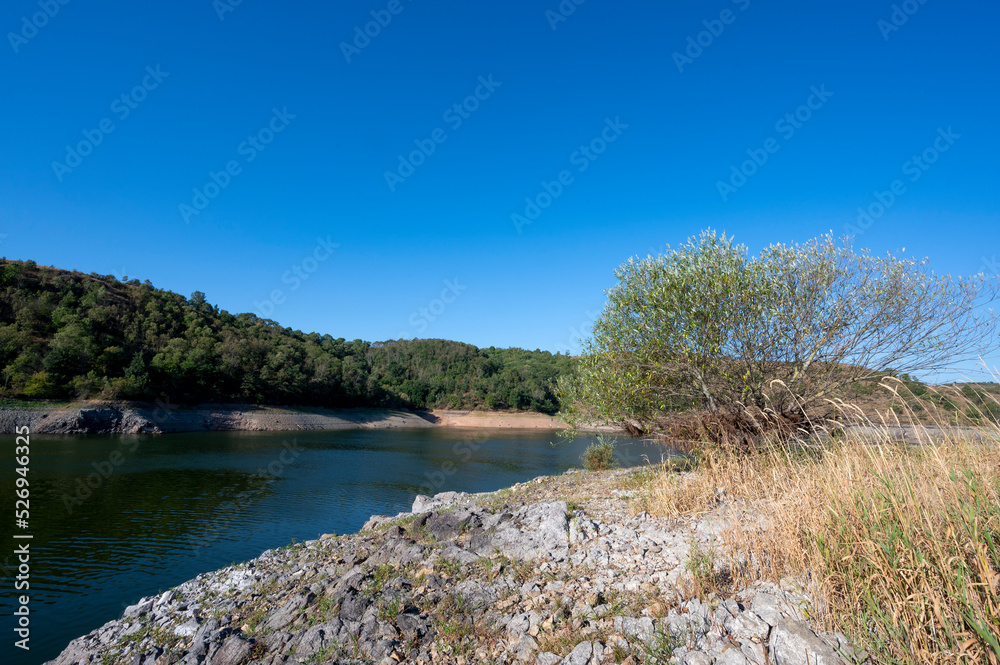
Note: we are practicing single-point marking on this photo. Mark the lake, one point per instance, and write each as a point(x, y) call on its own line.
point(117, 518)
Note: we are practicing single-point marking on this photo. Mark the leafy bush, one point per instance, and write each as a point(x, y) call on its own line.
point(599, 456)
point(751, 343)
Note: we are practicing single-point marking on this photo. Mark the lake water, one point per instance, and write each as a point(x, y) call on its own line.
point(117, 518)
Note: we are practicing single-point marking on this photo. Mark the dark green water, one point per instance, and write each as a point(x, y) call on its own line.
point(117, 518)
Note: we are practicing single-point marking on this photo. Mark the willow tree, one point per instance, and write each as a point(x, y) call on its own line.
point(709, 329)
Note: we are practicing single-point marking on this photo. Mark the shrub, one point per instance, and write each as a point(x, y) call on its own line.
point(750, 344)
point(599, 456)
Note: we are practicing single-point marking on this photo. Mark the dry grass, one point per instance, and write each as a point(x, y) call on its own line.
point(899, 544)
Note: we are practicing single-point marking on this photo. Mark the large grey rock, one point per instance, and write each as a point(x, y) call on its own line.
point(290, 610)
point(234, 651)
point(459, 555)
point(747, 626)
point(187, 629)
point(768, 608)
point(792, 643)
point(532, 532)
point(638, 628)
point(423, 503)
point(525, 649)
point(321, 636)
point(353, 606)
point(518, 625)
point(548, 658)
point(579, 655)
point(413, 627)
point(137, 610)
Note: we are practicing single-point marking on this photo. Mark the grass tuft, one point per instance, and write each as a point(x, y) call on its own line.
point(897, 542)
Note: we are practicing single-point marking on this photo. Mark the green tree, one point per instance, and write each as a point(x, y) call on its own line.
point(752, 343)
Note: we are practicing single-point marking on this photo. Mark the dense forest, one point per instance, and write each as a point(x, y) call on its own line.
point(68, 335)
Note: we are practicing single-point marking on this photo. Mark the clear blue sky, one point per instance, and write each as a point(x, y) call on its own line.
point(608, 71)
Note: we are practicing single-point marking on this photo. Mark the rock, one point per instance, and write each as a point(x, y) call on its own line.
point(234, 651)
point(731, 657)
point(639, 628)
point(525, 649)
point(319, 637)
point(580, 655)
point(137, 610)
point(548, 658)
point(767, 607)
point(374, 522)
point(537, 531)
point(697, 658)
point(187, 629)
point(518, 625)
point(459, 555)
point(747, 626)
point(422, 503)
point(792, 643)
point(289, 611)
point(412, 626)
point(754, 652)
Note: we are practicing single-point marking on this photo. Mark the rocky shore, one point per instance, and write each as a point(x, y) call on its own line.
point(556, 570)
point(160, 418)
point(138, 418)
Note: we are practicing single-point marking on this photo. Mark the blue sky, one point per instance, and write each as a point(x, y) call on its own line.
point(607, 116)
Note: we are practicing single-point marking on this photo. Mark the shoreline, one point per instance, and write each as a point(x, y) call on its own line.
point(558, 570)
point(101, 417)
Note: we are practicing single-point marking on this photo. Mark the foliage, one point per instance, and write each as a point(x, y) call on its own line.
point(755, 342)
point(64, 334)
point(599, 456)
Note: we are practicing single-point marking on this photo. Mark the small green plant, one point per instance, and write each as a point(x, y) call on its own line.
point(701, 565)
point(659, 648)
point(599, 456)
point(390, 609)
point(449, 567)
point(258, 651)
point(381, 575)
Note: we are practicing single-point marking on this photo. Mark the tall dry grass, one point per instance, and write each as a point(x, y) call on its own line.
point(898, 543)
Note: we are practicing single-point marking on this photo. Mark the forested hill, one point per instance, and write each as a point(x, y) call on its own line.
point(68, 335)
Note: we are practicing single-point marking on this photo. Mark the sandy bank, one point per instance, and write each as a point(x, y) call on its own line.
point(496, 419)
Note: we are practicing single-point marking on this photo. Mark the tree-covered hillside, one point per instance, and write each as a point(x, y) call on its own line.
point(65, 334)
